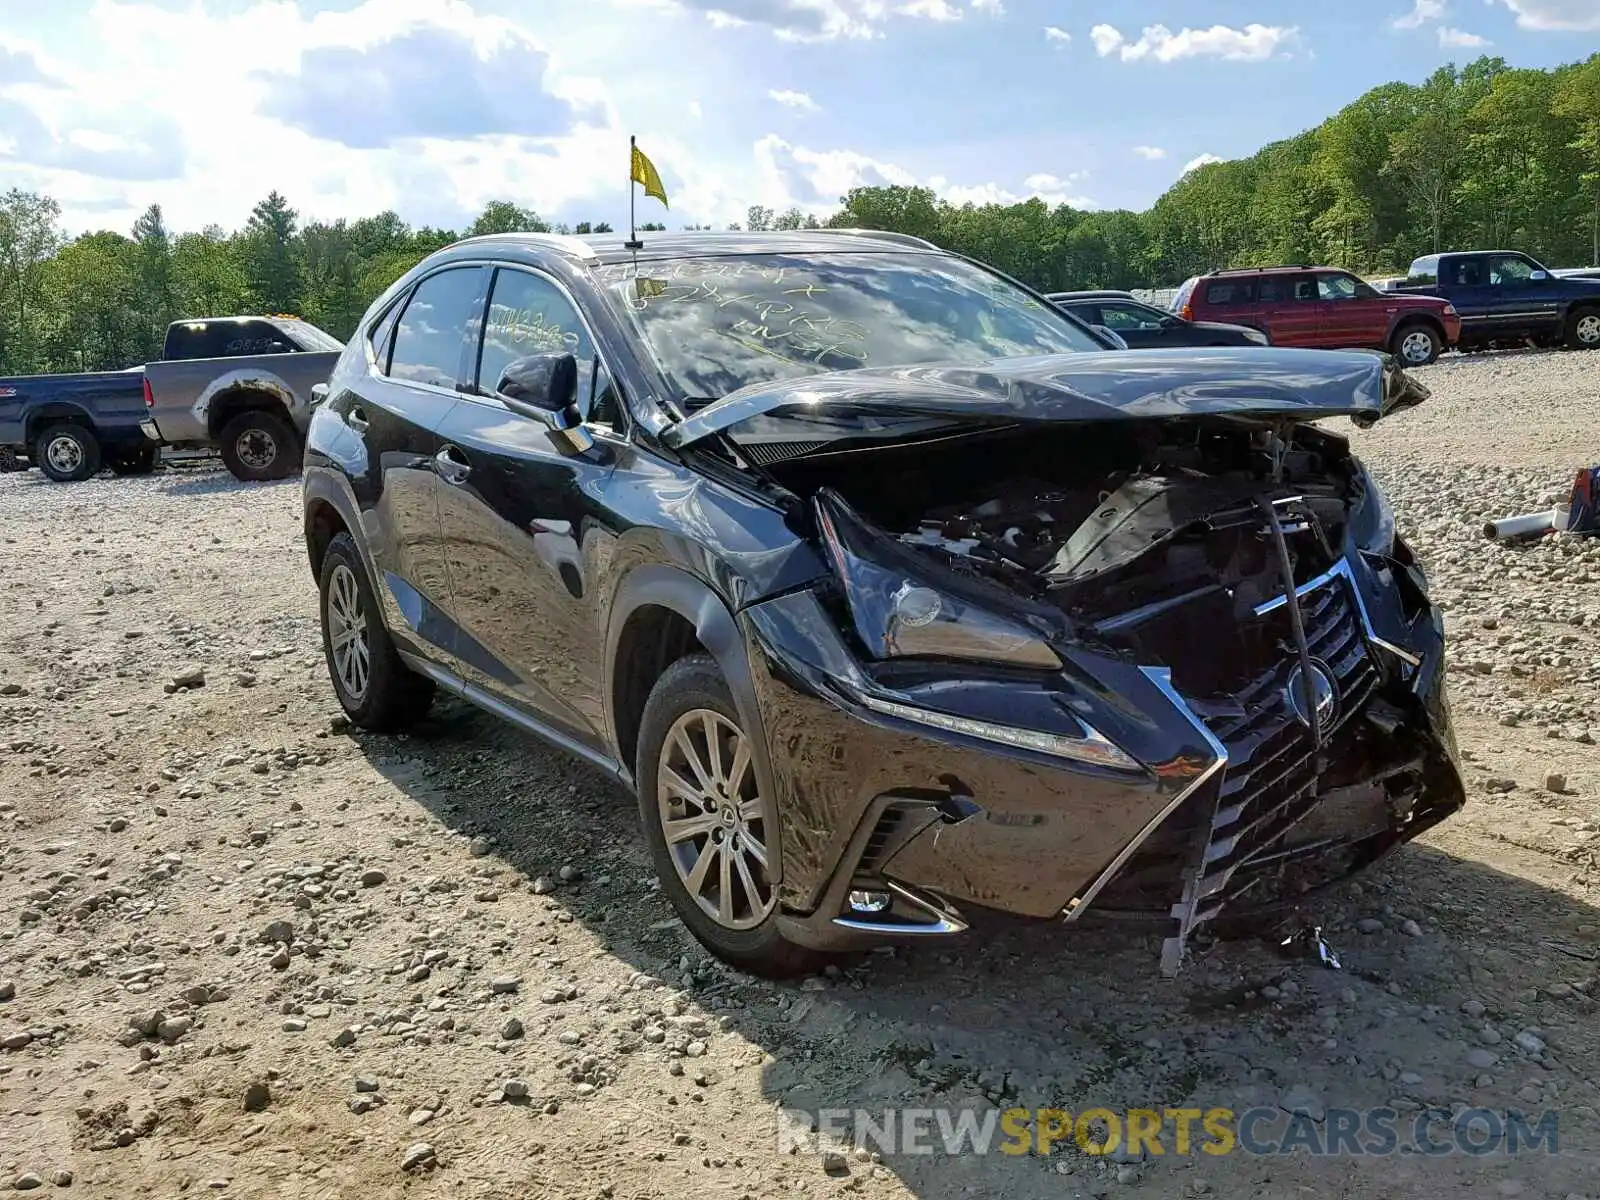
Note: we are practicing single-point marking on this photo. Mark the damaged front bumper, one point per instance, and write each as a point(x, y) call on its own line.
point(892, 825)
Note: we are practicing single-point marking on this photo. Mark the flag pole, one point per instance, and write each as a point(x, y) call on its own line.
point(633, 234)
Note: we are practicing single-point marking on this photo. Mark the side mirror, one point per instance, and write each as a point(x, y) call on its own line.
point(1539, 277)
point(1110, 335)
point(1365, 291)
point(544, 387)
point(319, 394)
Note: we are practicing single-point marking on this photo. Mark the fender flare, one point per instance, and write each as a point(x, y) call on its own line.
point(243, 379)
point(692, 599)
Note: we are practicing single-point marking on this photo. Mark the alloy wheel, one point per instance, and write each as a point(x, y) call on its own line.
point(347, 633)
point(1588, 330)
point(711, 809)
point(256, 449)
point(1417, 347)
point(65, 454)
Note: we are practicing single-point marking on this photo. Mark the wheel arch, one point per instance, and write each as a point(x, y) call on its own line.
point(328, 513)
point(240, 392)
point(56, 413)
point(659, 615)
point(1434, 324)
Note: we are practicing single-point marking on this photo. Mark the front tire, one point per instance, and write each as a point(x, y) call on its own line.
point(67, 453)
point(711, 833)
point(1583, 330)
point(1416, 345)
point(375, 687)
point(258, 446)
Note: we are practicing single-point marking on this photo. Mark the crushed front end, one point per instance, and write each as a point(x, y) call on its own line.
point(1180, 671)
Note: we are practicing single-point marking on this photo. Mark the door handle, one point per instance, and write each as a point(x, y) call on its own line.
point(356, 418)
point(449, 465)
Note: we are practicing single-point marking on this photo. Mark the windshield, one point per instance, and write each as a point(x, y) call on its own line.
point(309, 337)
point(715, 325)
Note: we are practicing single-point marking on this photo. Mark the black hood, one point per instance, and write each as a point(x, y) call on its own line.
point(877, 403)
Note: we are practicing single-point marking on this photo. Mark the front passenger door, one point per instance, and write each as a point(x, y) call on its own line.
point(524, 537)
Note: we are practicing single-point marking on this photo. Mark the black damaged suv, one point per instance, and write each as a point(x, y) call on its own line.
point(888, 588)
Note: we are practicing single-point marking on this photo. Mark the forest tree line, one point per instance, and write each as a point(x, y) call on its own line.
point(1477, 157)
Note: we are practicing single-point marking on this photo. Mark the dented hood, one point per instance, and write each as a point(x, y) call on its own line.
point(877, 403)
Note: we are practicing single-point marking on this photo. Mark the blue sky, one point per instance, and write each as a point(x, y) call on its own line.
point(434, 107)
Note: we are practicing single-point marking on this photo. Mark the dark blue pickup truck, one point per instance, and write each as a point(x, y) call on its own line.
point(72, 425)
point(1506, 298)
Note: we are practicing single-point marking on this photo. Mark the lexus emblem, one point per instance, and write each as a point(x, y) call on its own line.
point(1322, 692)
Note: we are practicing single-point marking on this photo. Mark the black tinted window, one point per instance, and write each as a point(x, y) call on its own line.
point(1120, 315)
point(225, 339)
point(439, 322)
point(1230, 291)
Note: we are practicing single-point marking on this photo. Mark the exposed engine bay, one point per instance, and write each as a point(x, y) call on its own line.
point(1173, 544)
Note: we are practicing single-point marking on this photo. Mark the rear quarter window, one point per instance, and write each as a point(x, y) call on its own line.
point(1230, 291)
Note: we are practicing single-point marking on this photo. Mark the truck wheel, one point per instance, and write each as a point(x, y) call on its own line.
point(1416, 345)
point(140, 461)
point(66, 453)
point(1583, 330)
point(259, 445)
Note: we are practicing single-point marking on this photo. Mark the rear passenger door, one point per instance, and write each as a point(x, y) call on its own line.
point(1291, 310)
point(423, 350)
point(524, 536)
point(1233, 300)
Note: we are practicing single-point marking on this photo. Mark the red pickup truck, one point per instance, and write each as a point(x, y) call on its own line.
point(1322, 308)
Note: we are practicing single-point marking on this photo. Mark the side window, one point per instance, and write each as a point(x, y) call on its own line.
point(1305, 287)
point(257, 337)
point(1336, 287)
point(438, 324)
point(1128, 316)
point(530, 315)
point(1507, 270)
point(1467, 272)
point(1275, 290)
point(1230, 291)
point(382, 330)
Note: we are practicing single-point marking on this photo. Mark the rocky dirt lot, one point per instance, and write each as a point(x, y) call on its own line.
point(244, 949)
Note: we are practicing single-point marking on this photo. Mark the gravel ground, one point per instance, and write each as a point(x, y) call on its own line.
point(243, 948)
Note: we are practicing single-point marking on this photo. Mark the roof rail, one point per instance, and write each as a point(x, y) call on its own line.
point(883, 235)
point(566, 243)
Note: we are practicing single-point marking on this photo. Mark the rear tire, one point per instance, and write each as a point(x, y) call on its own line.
point(375, 687)
point(1583, 329)
point(691, 730)
point(1416, 344)
point(258, 446)
point(140, 461)
point(67, 453)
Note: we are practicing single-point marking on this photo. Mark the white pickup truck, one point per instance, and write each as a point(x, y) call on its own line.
point(241, 385)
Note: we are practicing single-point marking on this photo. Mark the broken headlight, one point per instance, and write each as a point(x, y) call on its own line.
point(1372, 523)
point(896, 615)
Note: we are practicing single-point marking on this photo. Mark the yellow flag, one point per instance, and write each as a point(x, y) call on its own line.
point(645, 173)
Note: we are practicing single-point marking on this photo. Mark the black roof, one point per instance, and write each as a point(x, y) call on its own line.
point(612, 247)
point(1103, 294)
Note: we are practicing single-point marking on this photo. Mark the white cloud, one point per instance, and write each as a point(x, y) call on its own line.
point(1253, 43)
point(1053, 33)
point(1546, 15)
point(1459, 37)
point(695, 110)
point(792, 99)
point(1201, 160)
point(1149, 153)
point(932, 10)
point(1423, 12)
point(995, 8)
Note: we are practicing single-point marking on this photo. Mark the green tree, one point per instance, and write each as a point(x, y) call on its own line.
point(95, 321)
point(156, 300)
point(269, 259)
point(29, 235)
point(209, 276)
point(1577, 99)
point(502, 216)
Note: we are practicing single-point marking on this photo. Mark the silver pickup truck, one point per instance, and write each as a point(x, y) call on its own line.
point(241, 385)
